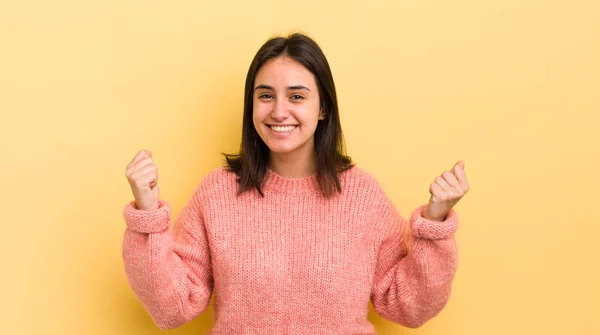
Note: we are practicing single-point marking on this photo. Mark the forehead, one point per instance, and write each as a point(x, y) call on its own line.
point(284, 71)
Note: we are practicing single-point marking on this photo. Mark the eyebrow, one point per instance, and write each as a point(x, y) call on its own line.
point(295, 87)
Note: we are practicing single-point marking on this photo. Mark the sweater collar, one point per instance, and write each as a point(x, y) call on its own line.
point(280, 184)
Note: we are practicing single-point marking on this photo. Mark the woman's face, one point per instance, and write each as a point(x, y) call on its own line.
point(286, 106)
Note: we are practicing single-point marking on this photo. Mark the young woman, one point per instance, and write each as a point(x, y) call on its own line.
point(291, 235)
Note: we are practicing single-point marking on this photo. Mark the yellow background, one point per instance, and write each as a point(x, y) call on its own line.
point(511, 87)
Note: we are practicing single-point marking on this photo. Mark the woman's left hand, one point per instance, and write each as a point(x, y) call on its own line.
point(446, 190)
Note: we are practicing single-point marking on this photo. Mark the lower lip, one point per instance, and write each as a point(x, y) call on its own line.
point(282, 134)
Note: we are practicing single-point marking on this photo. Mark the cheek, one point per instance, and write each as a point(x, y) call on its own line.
point(312, 112)
point(260, 111)
point(256, 115)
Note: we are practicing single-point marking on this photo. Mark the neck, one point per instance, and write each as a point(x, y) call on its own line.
point(293, 164)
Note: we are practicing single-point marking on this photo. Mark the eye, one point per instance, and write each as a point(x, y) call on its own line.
point(265, 96)
point(297, 97)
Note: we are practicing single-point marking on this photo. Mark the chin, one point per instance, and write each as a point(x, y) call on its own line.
point(281, 150)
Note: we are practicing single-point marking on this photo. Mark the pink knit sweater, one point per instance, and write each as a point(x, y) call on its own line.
point(292, 262)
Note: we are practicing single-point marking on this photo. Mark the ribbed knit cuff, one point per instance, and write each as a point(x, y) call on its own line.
point(434, 230)
point(147, 221)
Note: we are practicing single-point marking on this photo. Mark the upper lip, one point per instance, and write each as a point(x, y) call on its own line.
point(281, 125)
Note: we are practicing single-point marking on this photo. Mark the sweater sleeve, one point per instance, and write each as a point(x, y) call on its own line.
point(168, 270)
point(416, 263)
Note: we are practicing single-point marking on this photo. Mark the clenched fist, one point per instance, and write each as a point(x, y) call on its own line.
point(142, 175)
point(446, 190)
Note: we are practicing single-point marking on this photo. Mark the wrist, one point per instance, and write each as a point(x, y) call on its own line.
point(427, 214)
point(423, 227)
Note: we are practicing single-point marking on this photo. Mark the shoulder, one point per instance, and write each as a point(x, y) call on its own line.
point(379, 210)
point(360, 184)
point(218, 180)
point(219, 174)
point(359, 178)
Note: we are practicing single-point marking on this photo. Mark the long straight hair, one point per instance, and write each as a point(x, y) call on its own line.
point(251, 163)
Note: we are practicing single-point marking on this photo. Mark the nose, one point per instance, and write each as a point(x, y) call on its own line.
point(280, 110)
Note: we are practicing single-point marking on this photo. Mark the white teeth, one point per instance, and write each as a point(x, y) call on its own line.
point(283, 129)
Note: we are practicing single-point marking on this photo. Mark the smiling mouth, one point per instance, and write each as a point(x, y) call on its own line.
point(283, 129)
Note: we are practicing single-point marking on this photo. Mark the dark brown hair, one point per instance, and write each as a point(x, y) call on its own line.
point(250, 164)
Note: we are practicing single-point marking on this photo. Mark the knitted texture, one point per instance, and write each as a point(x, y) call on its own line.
point(293, 262)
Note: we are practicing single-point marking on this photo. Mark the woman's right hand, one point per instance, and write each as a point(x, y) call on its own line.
point(142, 175)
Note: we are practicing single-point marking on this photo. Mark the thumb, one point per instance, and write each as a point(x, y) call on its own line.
point(460, 164)
point(149, 153)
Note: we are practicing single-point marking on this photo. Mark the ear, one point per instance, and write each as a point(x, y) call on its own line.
point(322, 114)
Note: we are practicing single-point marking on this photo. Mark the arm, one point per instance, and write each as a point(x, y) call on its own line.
point(413, 280)
point(169, 271)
